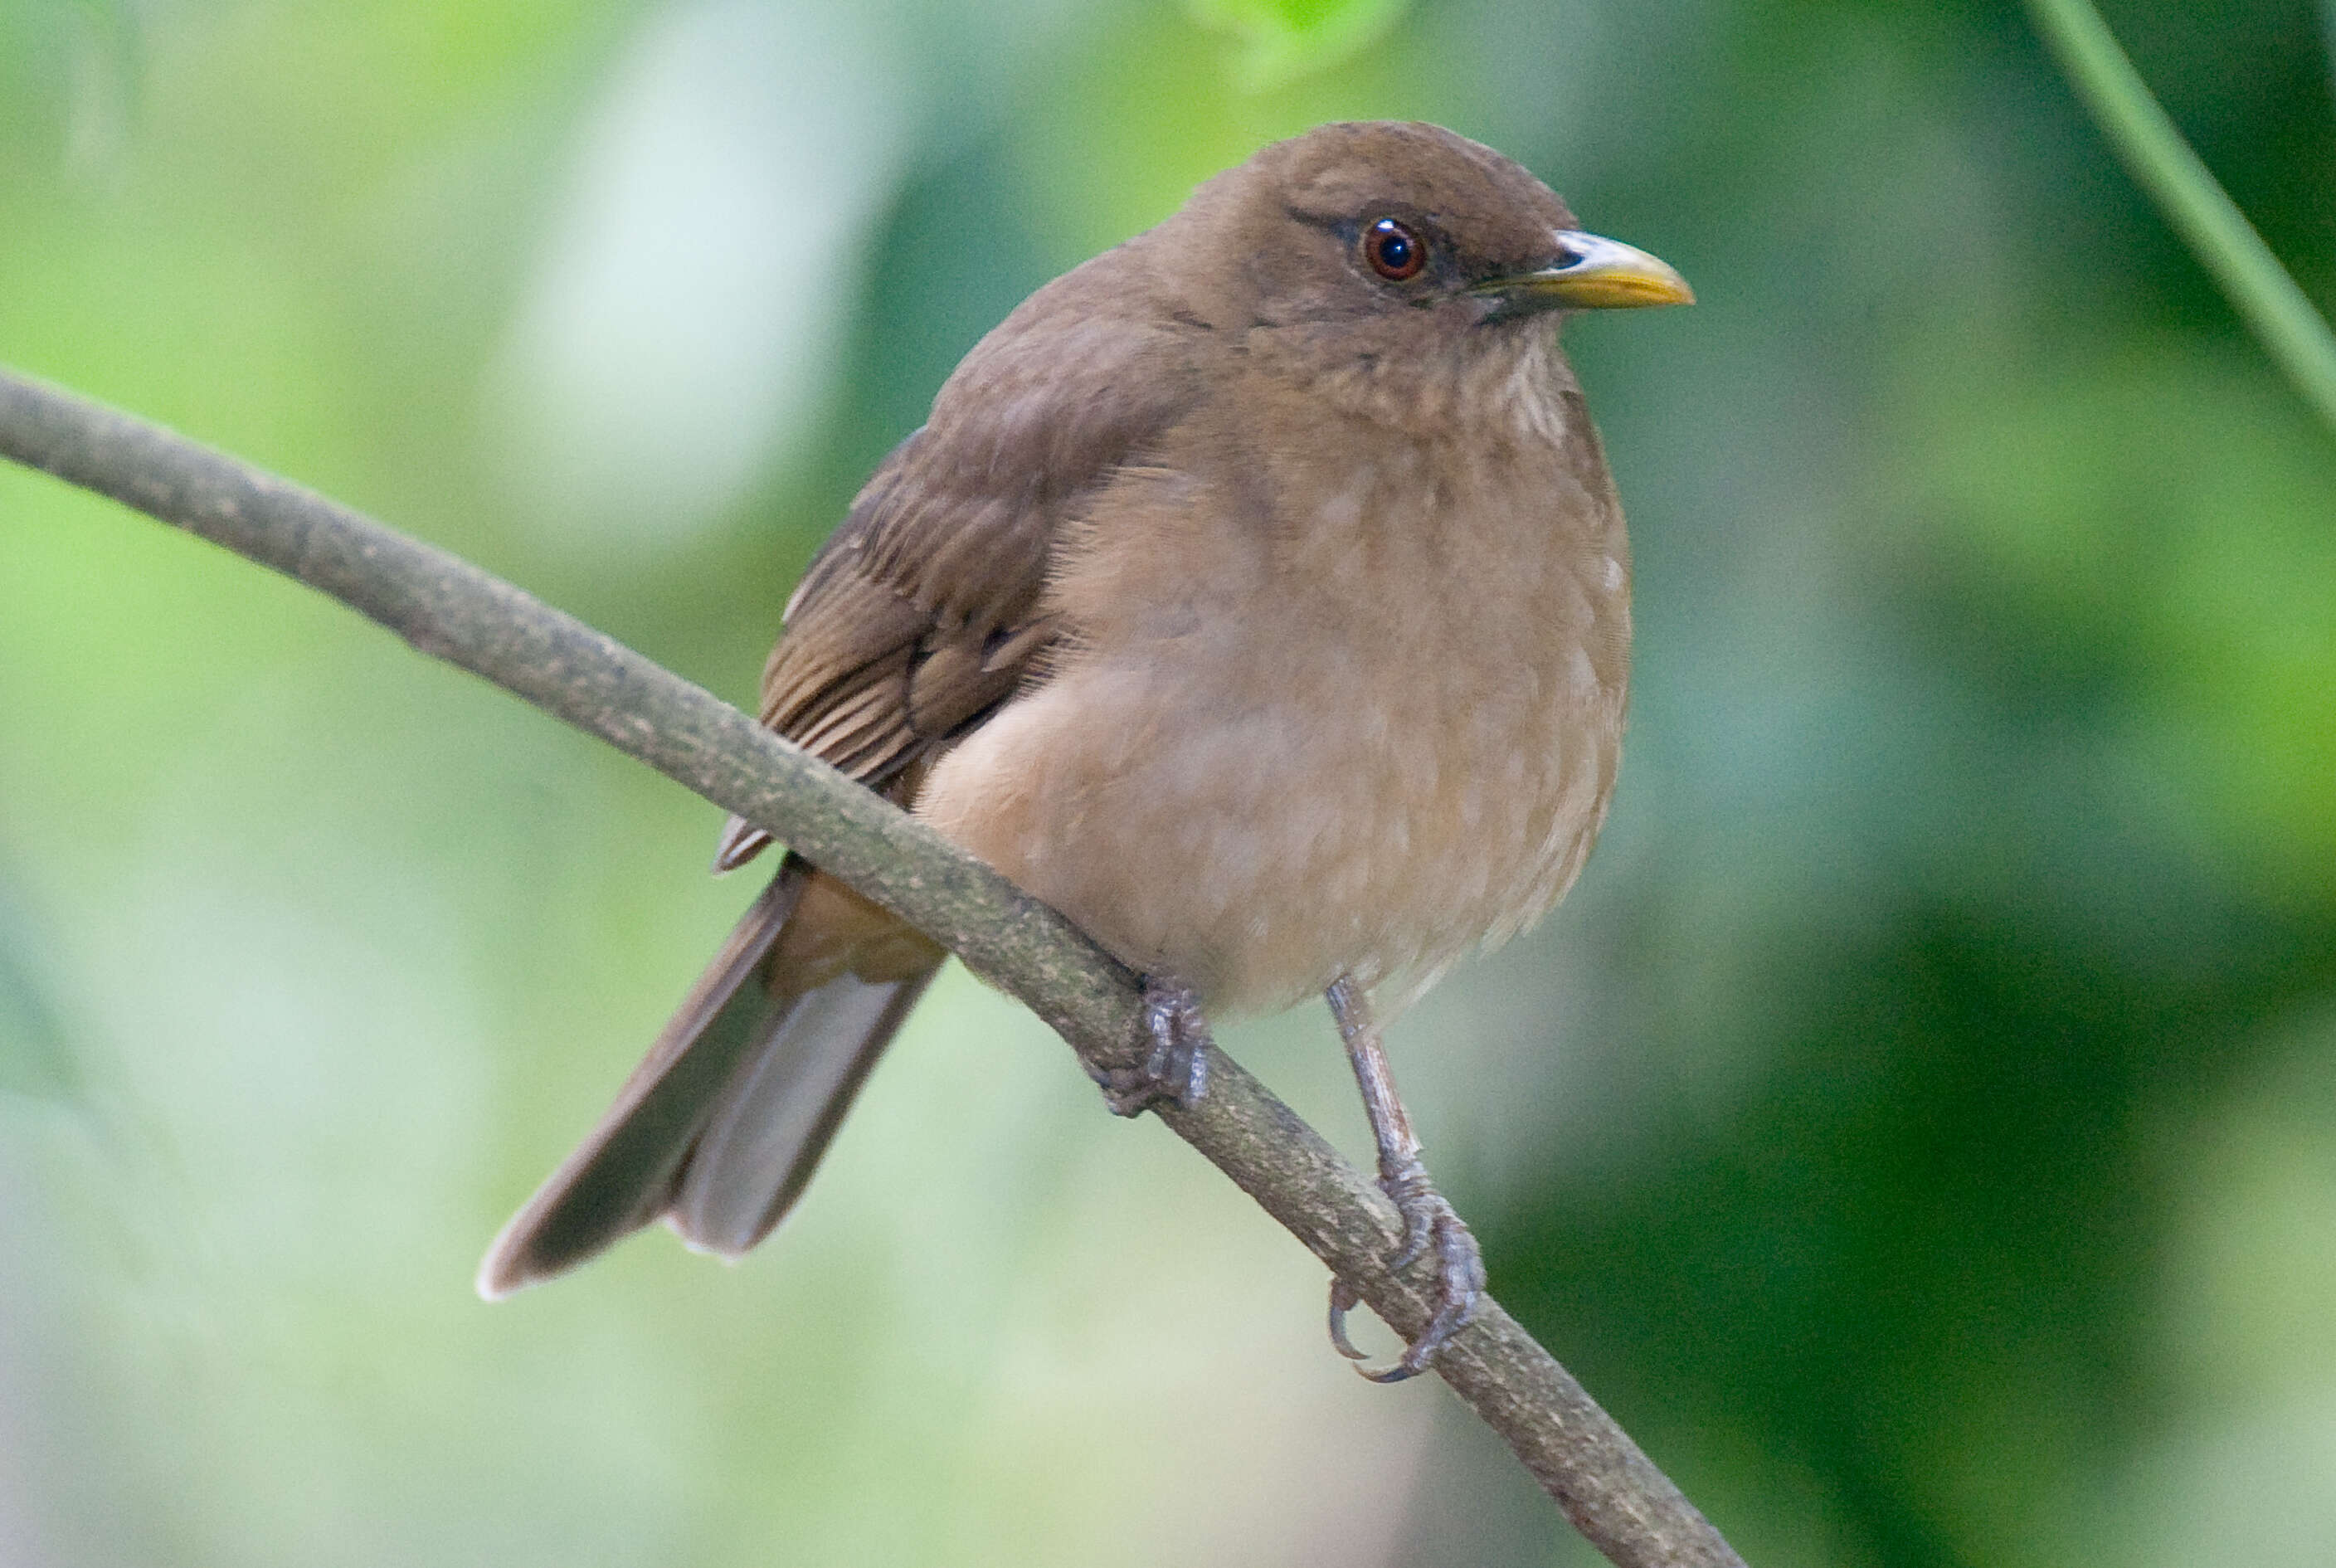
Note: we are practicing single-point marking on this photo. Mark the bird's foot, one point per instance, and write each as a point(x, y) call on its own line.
point(1174, 1064)
point(1427, 1221)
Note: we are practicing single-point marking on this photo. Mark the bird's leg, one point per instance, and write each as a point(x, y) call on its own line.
point(1427, 1218)
point(1174, 1065)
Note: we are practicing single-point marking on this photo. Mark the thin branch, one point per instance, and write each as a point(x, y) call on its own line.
point(2162, 164)
point(452, 611)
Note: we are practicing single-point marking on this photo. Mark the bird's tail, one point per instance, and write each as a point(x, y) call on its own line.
point(721, 1125)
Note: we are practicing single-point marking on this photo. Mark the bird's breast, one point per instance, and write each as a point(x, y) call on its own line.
point(1353, 720)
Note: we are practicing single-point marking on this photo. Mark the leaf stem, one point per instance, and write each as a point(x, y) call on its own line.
point(2193, 204)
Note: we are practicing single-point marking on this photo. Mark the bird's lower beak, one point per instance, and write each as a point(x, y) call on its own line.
point(1595, 273)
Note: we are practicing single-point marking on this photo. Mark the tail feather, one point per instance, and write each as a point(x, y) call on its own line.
point(721, 1125)
point(779, 1109)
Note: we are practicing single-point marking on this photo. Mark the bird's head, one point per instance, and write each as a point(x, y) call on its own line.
point(1389, 239)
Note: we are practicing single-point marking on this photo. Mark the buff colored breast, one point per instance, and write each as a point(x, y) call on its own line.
point(1278, 747)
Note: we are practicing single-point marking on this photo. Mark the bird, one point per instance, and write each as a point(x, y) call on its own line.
point(1256, 594)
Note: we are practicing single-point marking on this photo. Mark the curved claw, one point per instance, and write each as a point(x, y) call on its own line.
point(1401, 1372)
point(1343, 1300)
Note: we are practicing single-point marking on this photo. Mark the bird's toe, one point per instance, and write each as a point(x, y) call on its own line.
point(1171, 1061)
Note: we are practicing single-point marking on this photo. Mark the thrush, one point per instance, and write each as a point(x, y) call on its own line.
point(1257, 595)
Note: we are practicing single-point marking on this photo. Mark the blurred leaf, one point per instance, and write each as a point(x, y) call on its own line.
point(1287, 38)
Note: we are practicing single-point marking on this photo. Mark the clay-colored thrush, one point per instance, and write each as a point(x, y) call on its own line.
point(1257, 596)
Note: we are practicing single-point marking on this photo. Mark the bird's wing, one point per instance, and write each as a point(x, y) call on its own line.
point(923, 612)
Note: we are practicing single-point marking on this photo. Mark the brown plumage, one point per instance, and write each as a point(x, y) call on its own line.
point(1259, 603)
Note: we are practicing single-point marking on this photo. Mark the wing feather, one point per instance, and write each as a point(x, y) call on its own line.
point(925, 610)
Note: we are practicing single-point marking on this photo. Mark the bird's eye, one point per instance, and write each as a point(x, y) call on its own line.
point(1394, 251)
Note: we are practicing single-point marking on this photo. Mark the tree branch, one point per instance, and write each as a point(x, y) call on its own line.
point(452, 611)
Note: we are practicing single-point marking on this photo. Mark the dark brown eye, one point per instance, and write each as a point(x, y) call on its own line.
point(1394, 251)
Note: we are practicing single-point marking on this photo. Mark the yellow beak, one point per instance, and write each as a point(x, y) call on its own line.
point(1596, 274)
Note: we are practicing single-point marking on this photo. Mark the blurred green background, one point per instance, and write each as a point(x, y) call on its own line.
point(1919, 1127)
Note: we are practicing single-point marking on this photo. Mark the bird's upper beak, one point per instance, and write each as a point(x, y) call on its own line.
point(1593, 273)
